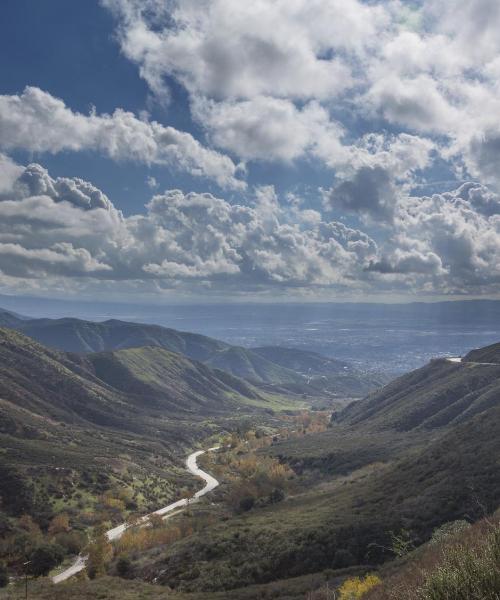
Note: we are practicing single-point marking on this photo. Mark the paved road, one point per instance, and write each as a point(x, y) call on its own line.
point(115, 533)
point(458, 359)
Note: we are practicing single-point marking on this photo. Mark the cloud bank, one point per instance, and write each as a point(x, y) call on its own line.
point(65, 232)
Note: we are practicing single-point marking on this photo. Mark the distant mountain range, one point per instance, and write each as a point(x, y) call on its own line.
point(293, 370)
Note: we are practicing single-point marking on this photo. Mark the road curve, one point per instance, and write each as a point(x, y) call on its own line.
point(459, 359)
point(116, 533)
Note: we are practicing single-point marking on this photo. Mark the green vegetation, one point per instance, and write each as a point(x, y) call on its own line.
point(298, 371)
point(307, 503)
point(435, 396)
point(464, 564)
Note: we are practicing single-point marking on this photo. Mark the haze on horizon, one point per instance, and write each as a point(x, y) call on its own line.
point(178, 150)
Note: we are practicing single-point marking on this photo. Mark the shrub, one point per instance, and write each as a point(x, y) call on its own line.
point(44, 558)
point(246, 503)
point(124, 567)
point(355, 587)
point(465, 572)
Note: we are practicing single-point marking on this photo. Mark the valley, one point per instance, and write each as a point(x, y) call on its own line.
point(310, 492)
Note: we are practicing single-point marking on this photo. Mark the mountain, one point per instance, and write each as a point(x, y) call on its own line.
point(309, 363)
point(76, 335)
point(441, 393)
point(10, 319)
point(253, 367)
point(74, 426)
point(489, 354)
point(273, 366)
point(168, 380)
point(110, 388)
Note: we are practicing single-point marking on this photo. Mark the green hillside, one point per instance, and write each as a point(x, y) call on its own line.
point(300, 372)
point(168, 380)
point(439, 394)
point(347, 521)
point(76, 335)
point(251, 366)
point(421, 452)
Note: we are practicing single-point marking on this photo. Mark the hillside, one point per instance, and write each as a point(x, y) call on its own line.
point(275, 366)
point(253, 367)
point(439, 394)
point(421, 452)
point(110, 388)
point(489, 354)
point(75, 430)
point(76, 335)
point(346, 521)
point(168, 380)
point(309, 363)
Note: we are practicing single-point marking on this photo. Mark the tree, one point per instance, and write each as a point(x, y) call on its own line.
point(59, 524)
point(26, 522)
point(156, 521)
point(4, 576)
point(16, 497)
point(124, 567)
point(44, 558)
point(100, 552)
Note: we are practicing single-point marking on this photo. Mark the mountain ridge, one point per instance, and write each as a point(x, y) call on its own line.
point(287, 367)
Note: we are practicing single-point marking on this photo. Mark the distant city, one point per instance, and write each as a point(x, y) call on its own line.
point(393, 338)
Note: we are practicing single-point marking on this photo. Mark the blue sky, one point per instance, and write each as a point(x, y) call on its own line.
point(309, 150)
point(70, 49)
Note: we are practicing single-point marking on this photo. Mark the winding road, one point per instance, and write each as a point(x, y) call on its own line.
point(115, 533)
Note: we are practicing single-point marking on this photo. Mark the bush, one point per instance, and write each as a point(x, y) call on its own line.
point(246, 503)
point(124, 567)
point(465, 572)
point(44, 558)
point(277, 495)
point(355, 587)
point(72, 542)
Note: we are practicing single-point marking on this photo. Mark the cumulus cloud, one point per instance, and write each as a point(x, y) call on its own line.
point(229, 49)
point(38, 122)
point(267, 128)
point(66, 232)
point(60, 227)
point(430, 68)
point(370, 191)
point(373, 174)
point(455, 237)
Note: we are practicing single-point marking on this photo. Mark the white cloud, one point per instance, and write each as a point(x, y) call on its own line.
point(455, 237)
point(38, 122)
point(231, 49)
point(267, 128)
point(430, 68)
point(67, 228)
point(65, 233)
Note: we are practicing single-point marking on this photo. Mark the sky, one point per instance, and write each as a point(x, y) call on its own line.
point(226, 150)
